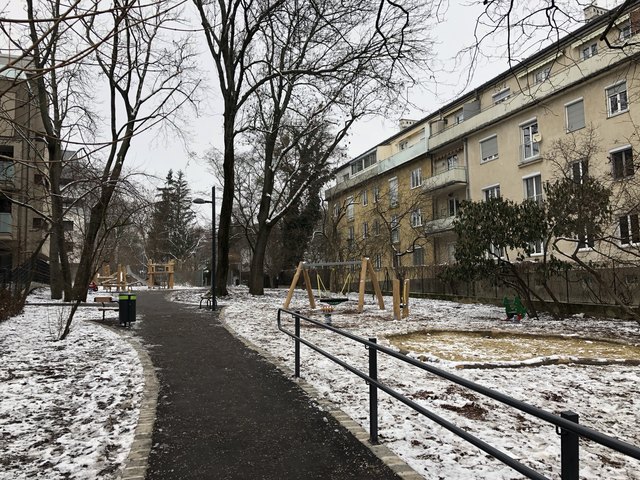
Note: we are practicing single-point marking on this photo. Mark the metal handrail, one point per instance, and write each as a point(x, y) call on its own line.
point(567, 424)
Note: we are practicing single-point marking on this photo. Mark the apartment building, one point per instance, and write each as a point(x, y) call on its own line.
point(498, 140)
point(22, 173)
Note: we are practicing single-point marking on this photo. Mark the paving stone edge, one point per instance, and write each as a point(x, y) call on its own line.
point(135, 465)
point(389, 458)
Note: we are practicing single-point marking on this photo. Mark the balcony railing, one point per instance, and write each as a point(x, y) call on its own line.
point(457, 175)
point(439, 225)
point(379, 168)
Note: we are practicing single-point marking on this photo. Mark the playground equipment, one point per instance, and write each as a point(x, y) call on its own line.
point(117, 280)
point(400, 302)
point(160, 275)
point(366, 268)
point(514, 309)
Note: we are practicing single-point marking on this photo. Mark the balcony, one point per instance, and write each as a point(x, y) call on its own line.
point(439, 225)
point(389, 163)
point(455, 176)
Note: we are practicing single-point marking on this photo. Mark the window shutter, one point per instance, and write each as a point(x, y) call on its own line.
point(489, 148)
point(575, 116)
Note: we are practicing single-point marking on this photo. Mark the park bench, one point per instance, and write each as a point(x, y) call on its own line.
point(206, 298)
point(105, 305)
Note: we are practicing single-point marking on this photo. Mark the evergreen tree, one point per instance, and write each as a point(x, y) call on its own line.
point(173, 231)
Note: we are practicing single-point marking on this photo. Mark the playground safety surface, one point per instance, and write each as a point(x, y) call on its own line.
point(226, 413)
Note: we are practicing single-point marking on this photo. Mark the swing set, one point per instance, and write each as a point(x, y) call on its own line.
point(366, 268)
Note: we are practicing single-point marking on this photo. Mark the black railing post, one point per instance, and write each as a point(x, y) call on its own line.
point(297, 344)
point(569, 454)
point(373, 393)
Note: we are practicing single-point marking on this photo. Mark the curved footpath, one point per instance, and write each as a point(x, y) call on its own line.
point(224, 412)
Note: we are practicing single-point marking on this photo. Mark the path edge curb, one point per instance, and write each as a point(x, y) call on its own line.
point(388, 457)
point(136, 463)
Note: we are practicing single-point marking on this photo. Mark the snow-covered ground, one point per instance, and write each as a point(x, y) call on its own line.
point(68, 409)
point(607, 397)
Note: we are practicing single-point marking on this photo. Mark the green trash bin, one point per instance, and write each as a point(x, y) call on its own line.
point(127, 308)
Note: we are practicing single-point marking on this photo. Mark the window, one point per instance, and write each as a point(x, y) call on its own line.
point(5, 215)
point(533, 188)
point(585, 241)
point(350, 209)
point(365, 230)
point(622, 163)
point(376, 227)
point(416, 178)
point(351, 237)
point(491, 192)
point(453, 207)
point(495, 252)
point(579, 171)
point(336, 211)
point(377, 261)
point(416, 218)
point(575, 116)
point(617, 99)
point(629, 229)
point(589, 50)
point(459, 116)
point(393, 192)
point(397, 260)
point(535, 248)
point(501, 96)
point(67, 225)
point(541, 75)
point(403, 145)
point(395, 230)
point(68, 246)
point(530, 146)
point(418, 256)
point(365, 198)
point(363, 162)
point(452, 161)
point(6, 163)
point(376, 194)
point(489, 149)
point(38, 223)
point(625, 31)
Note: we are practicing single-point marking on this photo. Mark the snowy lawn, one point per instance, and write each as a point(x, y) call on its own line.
point(68, 409)
point(607, 397)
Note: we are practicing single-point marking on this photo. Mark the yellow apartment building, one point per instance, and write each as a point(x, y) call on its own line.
point(499, 140)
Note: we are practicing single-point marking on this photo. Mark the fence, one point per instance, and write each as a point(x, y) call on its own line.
point(566, 424)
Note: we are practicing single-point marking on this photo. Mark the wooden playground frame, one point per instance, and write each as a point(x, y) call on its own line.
point(365, 268)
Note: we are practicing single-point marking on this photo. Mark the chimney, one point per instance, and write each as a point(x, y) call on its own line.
point(593, 11)
point(406, 123)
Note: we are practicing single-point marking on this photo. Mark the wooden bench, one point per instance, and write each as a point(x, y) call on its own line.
point(104, 301)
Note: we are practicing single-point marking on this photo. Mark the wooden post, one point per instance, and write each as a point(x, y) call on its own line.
point(405, 299)
point(362, 285)
point(307, 283)
point(170, 274)
point(294, 282)
point(376, 285)
point(396, 299)
point(150, 274)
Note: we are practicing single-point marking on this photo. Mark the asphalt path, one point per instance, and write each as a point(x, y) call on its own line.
point(226, 413)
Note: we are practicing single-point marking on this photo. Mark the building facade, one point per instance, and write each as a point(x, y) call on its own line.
point(22, 174)
point(502, 139)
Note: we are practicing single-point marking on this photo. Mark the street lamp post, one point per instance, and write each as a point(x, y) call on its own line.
point(213, 243)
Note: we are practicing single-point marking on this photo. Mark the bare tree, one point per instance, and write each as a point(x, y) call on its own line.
point(313, 41)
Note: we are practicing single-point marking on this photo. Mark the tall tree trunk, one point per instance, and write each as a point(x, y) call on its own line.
point(224, 229)
point(256, 275)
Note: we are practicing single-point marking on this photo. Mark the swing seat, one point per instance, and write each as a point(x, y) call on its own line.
point(334, 300)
